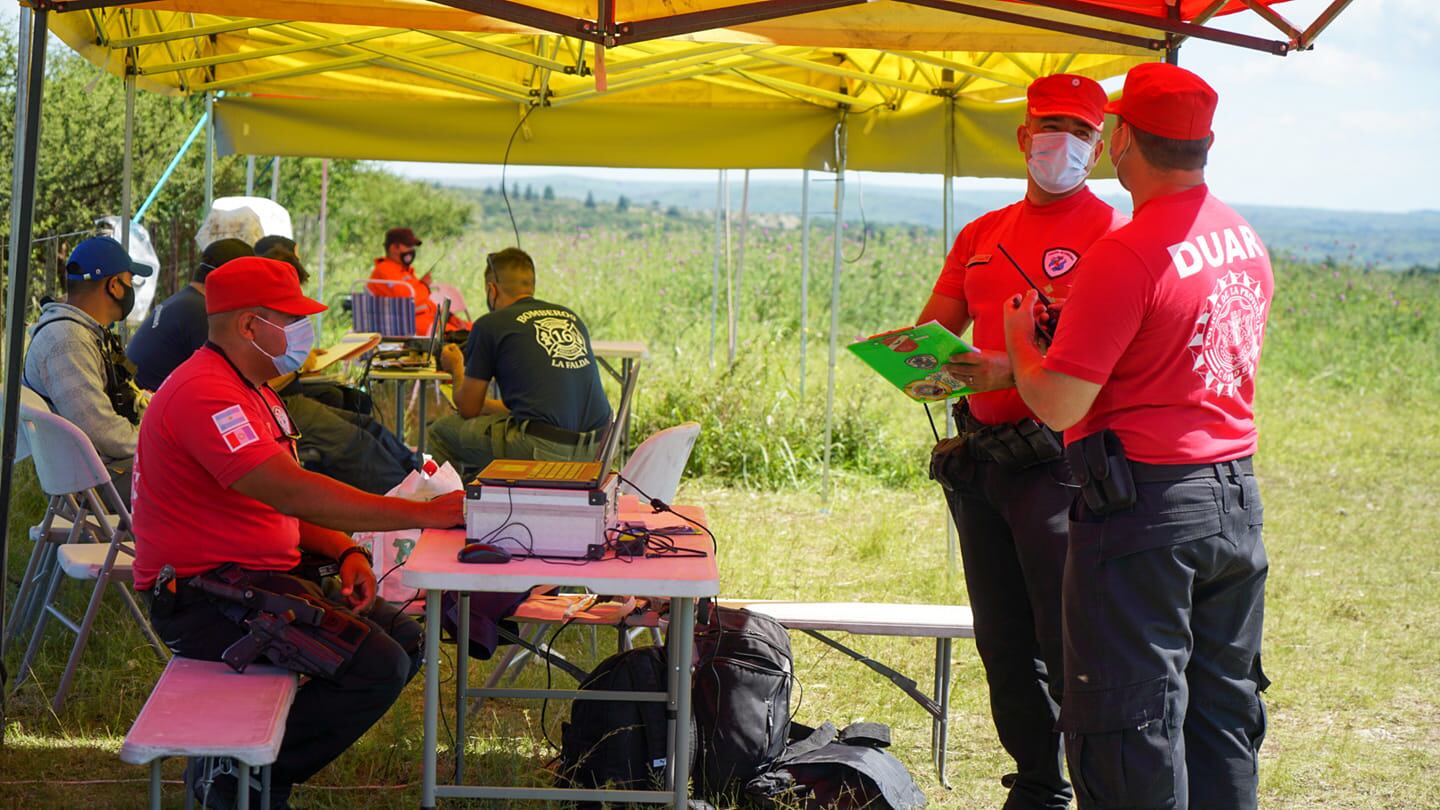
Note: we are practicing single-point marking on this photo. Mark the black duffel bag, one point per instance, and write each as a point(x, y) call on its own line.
point(742, 680)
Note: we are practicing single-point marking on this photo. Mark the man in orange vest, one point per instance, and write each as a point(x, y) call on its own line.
point(397, 266)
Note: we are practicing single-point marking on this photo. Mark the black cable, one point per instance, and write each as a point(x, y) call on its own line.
point(660, 506)
point(545, 702)
point(933, 429)
point(505, 165)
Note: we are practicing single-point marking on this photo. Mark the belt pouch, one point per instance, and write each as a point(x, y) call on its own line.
point(950, 463)
point(1102, 470)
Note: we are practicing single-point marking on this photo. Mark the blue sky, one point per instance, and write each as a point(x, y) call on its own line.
point(1352, 124)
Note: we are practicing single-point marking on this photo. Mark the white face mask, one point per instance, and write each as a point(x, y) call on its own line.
point(299, 340)
point(1059, 161)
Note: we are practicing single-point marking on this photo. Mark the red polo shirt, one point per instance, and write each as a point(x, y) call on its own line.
point(207, 427)
point(1047, 241)
point(1169, 317)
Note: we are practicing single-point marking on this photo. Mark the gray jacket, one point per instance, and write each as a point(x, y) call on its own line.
point(65, 364)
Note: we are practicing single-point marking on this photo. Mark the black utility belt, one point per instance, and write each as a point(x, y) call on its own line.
point(549, 432)
point(1107, 477)
point(1012, 445)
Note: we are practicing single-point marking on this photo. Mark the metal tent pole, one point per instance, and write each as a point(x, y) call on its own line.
point(729, 279)
point(840, 156)
point(952, 533)
point(715, 272)
point(250, 176)
point(127, 167)
point(739, 275)
point(324, 229)
point(30, 85)
point(804, 273)
point(209, 151)
point(275, 179)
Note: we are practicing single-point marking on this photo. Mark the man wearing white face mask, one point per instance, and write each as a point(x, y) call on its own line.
point(218, 483)
point(1005, 476)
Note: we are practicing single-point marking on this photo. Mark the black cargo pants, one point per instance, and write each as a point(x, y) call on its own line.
point(327, 716)
point(1012, 528)
point(1163, 606)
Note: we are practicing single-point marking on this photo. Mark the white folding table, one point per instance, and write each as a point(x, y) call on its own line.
point(433, 568)
point(399, 376)
point(627, 352)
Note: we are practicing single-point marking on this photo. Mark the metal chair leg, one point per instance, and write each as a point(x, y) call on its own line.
point(127, 594)
point(22, 613)
point(83, 636)
point(39, 632)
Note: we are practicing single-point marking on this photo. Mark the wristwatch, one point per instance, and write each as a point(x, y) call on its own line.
point(355, 550)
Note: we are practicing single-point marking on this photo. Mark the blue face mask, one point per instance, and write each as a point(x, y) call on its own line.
point(299, 340)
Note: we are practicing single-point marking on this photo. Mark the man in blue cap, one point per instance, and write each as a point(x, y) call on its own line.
point(78, 365)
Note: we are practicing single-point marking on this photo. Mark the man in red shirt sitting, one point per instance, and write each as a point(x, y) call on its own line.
point(1152, 377)
point(217, 482)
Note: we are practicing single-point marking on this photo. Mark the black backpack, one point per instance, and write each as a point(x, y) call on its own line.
point(742, 679)
point(826, 769)
point(620, 744)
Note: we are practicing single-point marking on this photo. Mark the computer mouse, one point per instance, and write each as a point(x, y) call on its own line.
point(483, 553)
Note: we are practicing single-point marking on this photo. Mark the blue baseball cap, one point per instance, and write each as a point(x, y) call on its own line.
point(101, 257)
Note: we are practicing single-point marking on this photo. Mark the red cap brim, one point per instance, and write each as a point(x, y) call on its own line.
point(1062, 112)
point(299, 305)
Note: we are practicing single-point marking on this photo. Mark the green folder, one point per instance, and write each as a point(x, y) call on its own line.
point(914, 359)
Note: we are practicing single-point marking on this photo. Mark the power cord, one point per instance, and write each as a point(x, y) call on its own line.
point(660, 506)
point(505, 166)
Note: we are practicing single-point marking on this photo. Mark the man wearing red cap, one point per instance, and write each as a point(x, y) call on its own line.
point(1152, 376)
point(217, 482)
point(1005, 476)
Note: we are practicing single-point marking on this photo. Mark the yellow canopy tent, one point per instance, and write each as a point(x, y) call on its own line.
point(893, 85)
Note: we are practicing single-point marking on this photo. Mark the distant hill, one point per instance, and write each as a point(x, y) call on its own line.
point(1384, 240)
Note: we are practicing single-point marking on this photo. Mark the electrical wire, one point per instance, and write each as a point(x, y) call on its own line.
point(931, 416)
point(504, 167)
point(864, 225)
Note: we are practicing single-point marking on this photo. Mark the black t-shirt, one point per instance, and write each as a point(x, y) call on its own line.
point(539, 354)
point(168, 337)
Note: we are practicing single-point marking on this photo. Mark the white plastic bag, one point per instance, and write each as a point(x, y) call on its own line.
point(391, 549)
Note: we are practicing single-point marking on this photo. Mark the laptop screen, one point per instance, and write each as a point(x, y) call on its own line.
point(437, 331)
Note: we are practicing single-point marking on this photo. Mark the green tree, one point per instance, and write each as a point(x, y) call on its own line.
point(549, 194)
point(623, 204)
point(589, 199)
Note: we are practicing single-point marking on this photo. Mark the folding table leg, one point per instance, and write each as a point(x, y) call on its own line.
point(462, 680)
point(682, 638)
point(432, 698)
point(940, 734)
point(155, 784)
point(242, 789)
point(265, 787)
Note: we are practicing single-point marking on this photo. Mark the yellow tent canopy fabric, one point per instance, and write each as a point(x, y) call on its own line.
point(408, 79)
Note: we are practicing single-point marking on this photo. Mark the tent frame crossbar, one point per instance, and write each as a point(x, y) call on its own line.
point(1131, 40)
point(265, 53)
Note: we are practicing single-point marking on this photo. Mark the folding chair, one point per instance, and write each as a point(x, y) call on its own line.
point(655, 468)
point(393, 316)
point(69, 467)
point(56, 527)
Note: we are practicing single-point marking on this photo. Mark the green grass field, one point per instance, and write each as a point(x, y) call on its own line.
point(1349, 463)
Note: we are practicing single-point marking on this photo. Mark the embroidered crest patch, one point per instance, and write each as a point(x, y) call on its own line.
point(1059, 261)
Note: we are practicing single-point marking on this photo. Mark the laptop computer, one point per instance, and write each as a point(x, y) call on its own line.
point(417, 353)
point(579, 475)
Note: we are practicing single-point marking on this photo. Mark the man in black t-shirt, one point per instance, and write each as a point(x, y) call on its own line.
point(176, 328)
point(552, 405)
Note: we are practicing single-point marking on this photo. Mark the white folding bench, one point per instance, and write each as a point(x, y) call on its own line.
point(240, 716)
point(944, 623)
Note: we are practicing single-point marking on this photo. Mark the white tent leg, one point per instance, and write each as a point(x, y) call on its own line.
point(729, 268)
point(275, 180)
point(947, 236)
point(209, 151)
point(127, 166)
point(715, 272)
point(739, 276)
point(804, 273)
point(840, 155)
point(250, 176)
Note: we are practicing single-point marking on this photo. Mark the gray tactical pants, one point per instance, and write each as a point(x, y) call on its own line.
point(1163, 607)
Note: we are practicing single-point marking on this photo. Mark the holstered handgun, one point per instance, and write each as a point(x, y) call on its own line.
point(296, 631)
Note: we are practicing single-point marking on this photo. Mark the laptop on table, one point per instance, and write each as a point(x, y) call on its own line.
point(577, 475)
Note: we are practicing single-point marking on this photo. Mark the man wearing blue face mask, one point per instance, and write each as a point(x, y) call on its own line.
point(76, 363)
point(1005, 476)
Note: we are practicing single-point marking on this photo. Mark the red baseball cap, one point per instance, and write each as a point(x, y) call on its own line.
point(1166, 100)
point(1068, 95)
point(252, 281)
